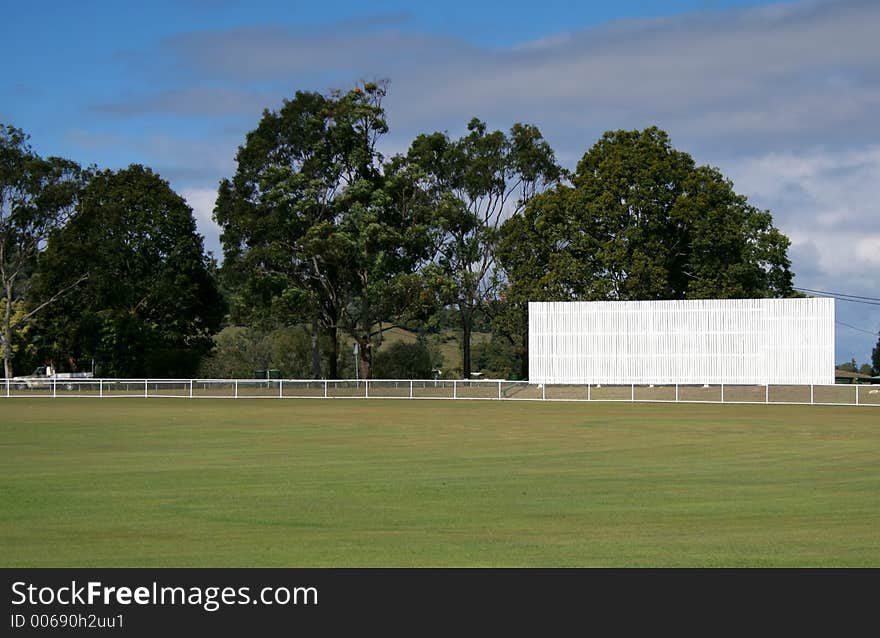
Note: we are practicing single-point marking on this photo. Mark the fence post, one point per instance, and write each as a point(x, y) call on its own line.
point(857, 393)
point(54, 387)
point(280, 388)
point(7, 387)
point(454, 389)
point(366, 388)
point(767, 393)
point(543, 391)
point(190, 388)
point(499, 390)
point(145, 388)
point(410, 388)
point(722, 393)
point(236, 388)
point(325, 388)
point(676, 393)
point(811, 394)
point(100, 388)
point(632, 391)
point(589, 392)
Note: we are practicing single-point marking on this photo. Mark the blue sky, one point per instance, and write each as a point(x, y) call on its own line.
point(781, 97)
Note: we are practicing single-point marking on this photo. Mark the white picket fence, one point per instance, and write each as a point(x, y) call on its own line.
point(852, 395)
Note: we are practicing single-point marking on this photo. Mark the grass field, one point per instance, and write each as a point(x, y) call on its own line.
point(172, 482)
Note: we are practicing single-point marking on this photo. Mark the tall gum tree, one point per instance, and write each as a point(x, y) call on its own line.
point(479, 180)
point(317, 229)
point(287, 179)
point(37, 196)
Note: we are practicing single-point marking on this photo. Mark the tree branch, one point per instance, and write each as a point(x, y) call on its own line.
point(375, 333)
point(52, 299)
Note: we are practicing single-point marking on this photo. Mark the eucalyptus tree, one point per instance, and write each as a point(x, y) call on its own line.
point(478, 181)
point(317, 229)
point(37, 196)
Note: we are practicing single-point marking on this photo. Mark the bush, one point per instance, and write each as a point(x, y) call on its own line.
point(402, 361)
point(495, 358)
point(240, 351)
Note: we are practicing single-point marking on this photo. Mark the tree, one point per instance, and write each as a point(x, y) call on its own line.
point(639, 221)
point(240, 351)
point(150, 302)
point(849, 366)
point(875, 358)
point(495, 358)
point(401, 360)
point(525, 255)
point(478, 181)
point(286, 178)
point(866, 369)
point(37, 196)
point(317, 229)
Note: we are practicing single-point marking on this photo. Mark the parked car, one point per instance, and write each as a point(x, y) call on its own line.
point(43, 377)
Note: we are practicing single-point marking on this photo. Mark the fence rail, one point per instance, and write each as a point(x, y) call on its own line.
point(853, 395)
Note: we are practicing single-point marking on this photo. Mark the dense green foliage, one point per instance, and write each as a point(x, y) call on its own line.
point(328, 244)
point(240, 351)
point(639, 221)
point(149, 303)
point(496, 358)
point(477, 181)
point(281, 483)
point(315, 228)
point(37, 196)
point(402, 360)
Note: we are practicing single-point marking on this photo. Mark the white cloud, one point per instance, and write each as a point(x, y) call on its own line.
point(827, 198)
point(792, 74)
point(783, 99)
point(868, 248)
point(202, 201)
point(828, 203)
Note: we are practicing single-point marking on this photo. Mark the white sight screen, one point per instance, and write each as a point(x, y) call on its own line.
point(736, 341)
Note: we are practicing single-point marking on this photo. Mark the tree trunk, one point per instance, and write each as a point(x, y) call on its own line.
point(466, 328)
point(316, 350)
point(332, 332)
point(365, 357)
point(524, 350)
point(365, 347)
point(7, 351)
point(7, 333)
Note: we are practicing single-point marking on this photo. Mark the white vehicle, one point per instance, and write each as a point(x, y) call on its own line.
point(43, 377)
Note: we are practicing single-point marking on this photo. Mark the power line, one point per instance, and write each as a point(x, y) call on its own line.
point(873, 334)
point(839, 295)
point(867, 303)
point(871, 301)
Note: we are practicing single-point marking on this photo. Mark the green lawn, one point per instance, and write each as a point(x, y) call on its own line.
point(133, 482)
